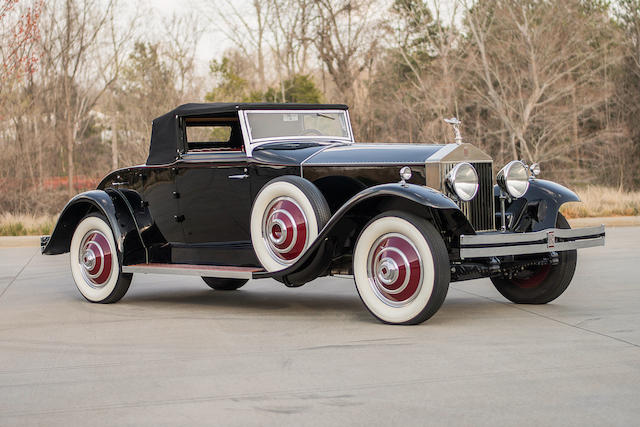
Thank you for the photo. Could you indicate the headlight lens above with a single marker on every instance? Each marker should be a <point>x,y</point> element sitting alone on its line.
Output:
<point>514,179</point>
<point>463,181</point>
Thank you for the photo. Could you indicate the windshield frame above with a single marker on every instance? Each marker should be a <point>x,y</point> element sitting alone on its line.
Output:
<point>251,144</point>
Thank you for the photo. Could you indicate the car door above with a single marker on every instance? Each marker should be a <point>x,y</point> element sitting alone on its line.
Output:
<point>213,186</point>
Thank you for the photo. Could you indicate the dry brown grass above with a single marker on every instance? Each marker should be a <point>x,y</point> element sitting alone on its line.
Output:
<point>603,201</point>
<point>25,225</point>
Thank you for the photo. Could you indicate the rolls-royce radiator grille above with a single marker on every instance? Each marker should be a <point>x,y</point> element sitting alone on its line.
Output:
<point>480,210</point>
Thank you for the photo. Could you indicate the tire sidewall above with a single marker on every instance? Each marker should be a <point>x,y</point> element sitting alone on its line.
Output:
<point>372,231</point>
<point>269,193</point>
<point>94,294</point>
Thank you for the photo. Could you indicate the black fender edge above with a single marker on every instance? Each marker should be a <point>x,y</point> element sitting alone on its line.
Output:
<point>115,208</point>
<point>538,208</point>
<point>310,265</point>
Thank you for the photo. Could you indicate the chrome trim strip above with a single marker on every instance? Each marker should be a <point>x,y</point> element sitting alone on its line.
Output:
<point>530,242</point>
<point>311,156</point>
<point>244,125</point>
<point>225,273</point>
<point>370,163</point>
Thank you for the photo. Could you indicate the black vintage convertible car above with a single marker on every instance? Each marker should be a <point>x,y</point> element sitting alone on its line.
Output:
<point>232,192</point>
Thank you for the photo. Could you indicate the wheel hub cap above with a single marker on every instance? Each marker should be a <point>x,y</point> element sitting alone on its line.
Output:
<point>89,260</point>
<point>95,258</point>
<point>394,268</point>
<point>285,230</point>
<point>388,271</point>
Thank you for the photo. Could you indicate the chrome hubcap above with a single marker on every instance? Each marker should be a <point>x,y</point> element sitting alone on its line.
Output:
<point>88,259</point>
<point>95,258</point>
<point>285,230</point>
<point>395,269</point>
<point>278,231</point>
<point>387,271</point>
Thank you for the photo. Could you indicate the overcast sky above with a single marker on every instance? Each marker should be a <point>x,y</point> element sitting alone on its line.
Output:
<point>213,43</point>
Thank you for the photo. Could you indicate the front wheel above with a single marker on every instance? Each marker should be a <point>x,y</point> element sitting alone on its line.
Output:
<point>95,264</point>
<point>541,284</point>
<point>401,268</point>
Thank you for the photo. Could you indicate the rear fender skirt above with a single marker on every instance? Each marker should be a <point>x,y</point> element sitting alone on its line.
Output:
<point>115,208</point>
<point>538,208</point>
<point>316,258</point>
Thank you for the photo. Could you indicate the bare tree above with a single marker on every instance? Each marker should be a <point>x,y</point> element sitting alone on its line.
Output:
<point>347,39</point>
<point>290,36</point>
<point>428,43</point>
<point>19,32</point>
<point>247,31</point>
<point>83,51</point>
<point>183,36</point>
<point>529,58</point>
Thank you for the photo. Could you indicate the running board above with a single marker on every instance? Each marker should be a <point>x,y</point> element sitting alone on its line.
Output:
<point>226,272</point>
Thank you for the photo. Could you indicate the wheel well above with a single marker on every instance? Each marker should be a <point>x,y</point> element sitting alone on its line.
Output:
<point>450,223</point>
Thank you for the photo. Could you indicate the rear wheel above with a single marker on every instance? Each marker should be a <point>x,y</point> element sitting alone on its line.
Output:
<point>541,284</point>
<point>401,268</point>
<point>95,262</point>
<point>220,284</point>
<point>286,217</point>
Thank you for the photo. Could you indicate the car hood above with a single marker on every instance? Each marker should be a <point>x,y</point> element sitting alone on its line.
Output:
<point>347,154</point>
<point>375,154</point>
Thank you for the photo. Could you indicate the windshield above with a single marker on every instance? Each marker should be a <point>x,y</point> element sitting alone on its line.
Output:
<point>298,124</point>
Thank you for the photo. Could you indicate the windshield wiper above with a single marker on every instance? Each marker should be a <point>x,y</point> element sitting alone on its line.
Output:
<point>325,116</point>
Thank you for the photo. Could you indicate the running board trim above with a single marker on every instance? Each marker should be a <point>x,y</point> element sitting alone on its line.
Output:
<point>224,272</point>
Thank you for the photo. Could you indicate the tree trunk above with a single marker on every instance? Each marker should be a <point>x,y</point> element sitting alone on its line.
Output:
<point>71,168</point>
<point>114,143</point>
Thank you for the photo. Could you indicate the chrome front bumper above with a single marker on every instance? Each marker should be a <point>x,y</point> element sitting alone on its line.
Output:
<point>492,244</point>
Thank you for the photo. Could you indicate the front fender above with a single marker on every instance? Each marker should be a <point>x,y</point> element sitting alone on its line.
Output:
<point>110,204</point>
<point>538,208</point>
<point>361,208</point>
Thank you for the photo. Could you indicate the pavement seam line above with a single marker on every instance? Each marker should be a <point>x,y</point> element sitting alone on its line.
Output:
<point>18,275</point>
<point>517,307</point>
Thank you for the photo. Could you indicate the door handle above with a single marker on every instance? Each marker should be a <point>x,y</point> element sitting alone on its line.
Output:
<point>243,176</point>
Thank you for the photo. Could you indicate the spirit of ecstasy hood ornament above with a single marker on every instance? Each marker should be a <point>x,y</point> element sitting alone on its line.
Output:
<point>453,121</point>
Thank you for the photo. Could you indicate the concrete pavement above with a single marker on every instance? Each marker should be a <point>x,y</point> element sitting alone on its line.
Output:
<point>174,352</point>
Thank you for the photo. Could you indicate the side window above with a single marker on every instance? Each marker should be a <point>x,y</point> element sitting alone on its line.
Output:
<point>218,135</point>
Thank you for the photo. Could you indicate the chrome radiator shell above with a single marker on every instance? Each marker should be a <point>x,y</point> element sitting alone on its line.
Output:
<point>481,210</point>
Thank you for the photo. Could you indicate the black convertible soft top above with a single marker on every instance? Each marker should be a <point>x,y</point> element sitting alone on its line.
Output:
<point>165,130</point>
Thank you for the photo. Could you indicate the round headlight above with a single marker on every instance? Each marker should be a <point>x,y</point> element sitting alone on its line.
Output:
<point>514,179</point>
<point>463,181</point>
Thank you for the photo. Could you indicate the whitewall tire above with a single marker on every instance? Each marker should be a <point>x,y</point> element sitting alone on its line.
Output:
<point>401,268</point>
<point>95,264</point>
<point>287,215</point>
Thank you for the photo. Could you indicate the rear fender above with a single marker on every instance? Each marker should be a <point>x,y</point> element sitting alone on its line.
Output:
<point>340,233</point>
<point>115,208</point>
